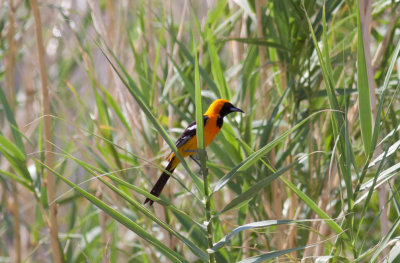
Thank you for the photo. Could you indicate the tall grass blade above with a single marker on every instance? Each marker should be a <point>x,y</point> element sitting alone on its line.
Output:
<point>145,108</point>
<point>363,87</point>
<point>11,120</point>
<point>245,197</point>
<point>274,254</point>
<point>254,225</point>
<point>170,254</point>
<point>254,157</point>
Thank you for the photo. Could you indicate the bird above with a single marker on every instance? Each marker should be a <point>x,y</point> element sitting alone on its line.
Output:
<point>213,119</point>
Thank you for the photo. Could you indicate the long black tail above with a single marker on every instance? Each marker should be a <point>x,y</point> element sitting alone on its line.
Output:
<point>156,191</point>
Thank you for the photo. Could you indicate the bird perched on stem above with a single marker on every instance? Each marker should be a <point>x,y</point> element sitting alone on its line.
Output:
<point>186,144</point>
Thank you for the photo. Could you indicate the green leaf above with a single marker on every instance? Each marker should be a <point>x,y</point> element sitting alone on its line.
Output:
<point>254,225</point>
<point>258,41</point>
<point>377,126</point>
<point>20,180</point>
<point>13,124</point>
<point>145,108</point>
<point>394,255</point>
<point>196,250</point>
<point>114,105</point>
<point>254,157</point>
<point>338,122</point>
<point>15,157</point>
<point>216,68</point>
<point>313,206</point>
<point>385,240</point>
<point>364,104</point>
<point>205,76</point>
<point>245,197</point>
<point>8,147</point>
<point>274,254</point>
<point>172,255</point>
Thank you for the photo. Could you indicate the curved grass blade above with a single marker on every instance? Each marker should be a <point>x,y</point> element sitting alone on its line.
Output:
<point>274,254</point>
<point>215,63</point>
<point>191,59</point>
<point>20,180</point>
<point>394,255</point>
<point>338,121</point>
<point>377,126</point>
<point>313,206</point>
<point>172,255</point>
<point>257,41</point>
<point>254,225</point>
<point>13,124</point>
<point>254,157</point>
<point>187,83</point>
<point>92,169</point>
<point>385,240</point>
<point>196,250</point>
<point>382,177</point>
<point>145,108</point>
<point>15,157</point>
<point>328,259</point>
<point>114,105</point>
<point>245,197</point>
<point>8,147</point>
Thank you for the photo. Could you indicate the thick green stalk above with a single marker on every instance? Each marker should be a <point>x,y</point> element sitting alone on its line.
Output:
<point>207,201</point>
<point>202,156</point>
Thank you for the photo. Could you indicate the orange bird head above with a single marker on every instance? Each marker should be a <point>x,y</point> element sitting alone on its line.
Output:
<point>222,108</point>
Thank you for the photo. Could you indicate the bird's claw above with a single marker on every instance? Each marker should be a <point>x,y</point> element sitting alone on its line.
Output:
<point>201,172</point>
<point>199,164</point>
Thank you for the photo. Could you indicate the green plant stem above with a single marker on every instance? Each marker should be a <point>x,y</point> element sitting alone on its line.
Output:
<point>204,171</point>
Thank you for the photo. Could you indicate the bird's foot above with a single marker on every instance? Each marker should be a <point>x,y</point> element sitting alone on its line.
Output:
<point>199,164</point>
<point>195,160</point>
<point>201,172</point>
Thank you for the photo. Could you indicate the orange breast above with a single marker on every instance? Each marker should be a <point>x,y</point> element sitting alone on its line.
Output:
<point>210,132</point>
<point>211,129</point>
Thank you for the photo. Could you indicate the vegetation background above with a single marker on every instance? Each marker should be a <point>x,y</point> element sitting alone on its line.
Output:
<point>94,94</point>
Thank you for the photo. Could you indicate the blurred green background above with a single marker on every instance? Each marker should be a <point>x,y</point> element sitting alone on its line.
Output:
<point>95,93</point>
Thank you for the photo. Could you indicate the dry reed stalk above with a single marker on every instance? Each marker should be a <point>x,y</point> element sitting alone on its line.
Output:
<point>294,209</point>
<point>103,225</point>
<point>365,9</point>
<point>376,63</point>
<point>10,59</point>
<point>10,64</point>
<point>331,182</point>
<point>170,64</point>
<point>312,235</point>
<point>234,46</point>
<point>312,238</point>
<point>261,51</point>
<point>49,156</point>
<point>380,51</point>
<point>276,191</point>
<point>150,33</point>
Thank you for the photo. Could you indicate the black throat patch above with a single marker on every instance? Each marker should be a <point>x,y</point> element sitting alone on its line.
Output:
<point>220,121</point>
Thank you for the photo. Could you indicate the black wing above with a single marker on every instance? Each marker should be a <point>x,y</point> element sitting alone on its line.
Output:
<point>189,132</point>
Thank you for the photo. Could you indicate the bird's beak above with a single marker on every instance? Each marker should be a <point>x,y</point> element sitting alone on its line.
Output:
<point>234,109</point>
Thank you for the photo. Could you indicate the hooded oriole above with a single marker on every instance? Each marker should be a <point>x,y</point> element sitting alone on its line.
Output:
<point>187,142</point>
